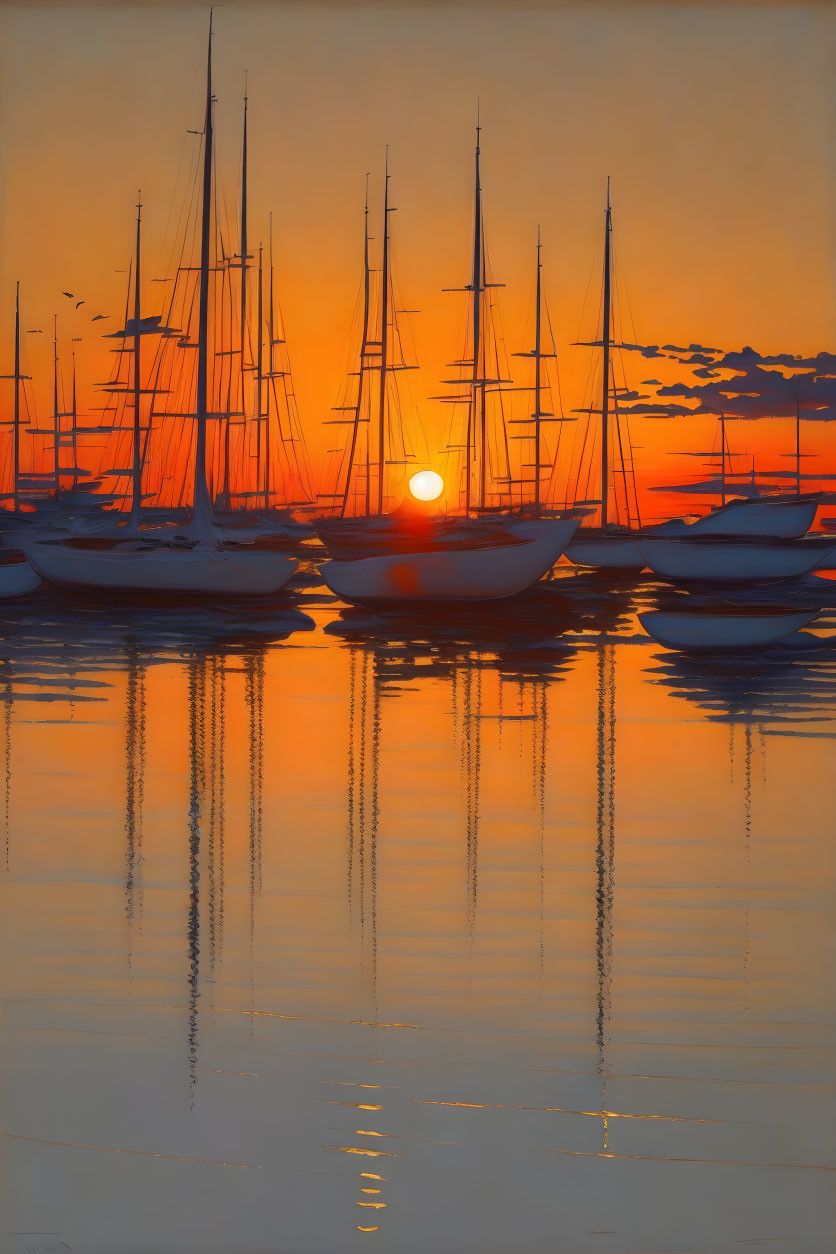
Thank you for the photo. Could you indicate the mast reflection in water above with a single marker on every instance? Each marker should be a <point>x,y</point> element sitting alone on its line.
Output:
<point>309,927</point>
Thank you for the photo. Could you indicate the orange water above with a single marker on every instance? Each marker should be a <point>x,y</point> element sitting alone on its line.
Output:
<point>501,934</point>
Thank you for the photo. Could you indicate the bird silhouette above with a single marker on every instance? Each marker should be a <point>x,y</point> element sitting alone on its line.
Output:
<point>98,316</point>
<point>71,295</point>
<point>37,332</point>
<point>80,302</point>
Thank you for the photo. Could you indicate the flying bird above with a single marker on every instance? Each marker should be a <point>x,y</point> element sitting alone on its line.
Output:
<point>70,294</point>
<point>36,332</point>
<point>98,316</point>
<point>80,302</point>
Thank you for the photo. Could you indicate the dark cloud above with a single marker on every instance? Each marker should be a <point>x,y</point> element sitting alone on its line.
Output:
<point>657,410</point>
<point>711,487</point>
<point>755,393</point>
<point>740,384</point>
<point>646,350</point>
<point>747,357</point>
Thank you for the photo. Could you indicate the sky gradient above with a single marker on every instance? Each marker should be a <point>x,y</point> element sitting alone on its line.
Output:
<point>715,122</point>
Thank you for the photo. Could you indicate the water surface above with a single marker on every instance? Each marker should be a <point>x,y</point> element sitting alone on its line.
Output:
<point>500,931</point>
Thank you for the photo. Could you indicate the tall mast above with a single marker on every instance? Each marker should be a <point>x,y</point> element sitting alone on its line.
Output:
<point>537,381</point>
<point>477,278</point>
<point>244,236</point>
<point>798,435</point>
<point>74,415</point>
<point>259,371</point>
<point>384,340</point>
<point>56,415</point>
<point>605,388</point>
<point>201,516</point>
<point>243,312</point>
<point>17,400</point>
<point>272,385</point>
<point>136,498</point>
<point>363,352</point>
<point>722,459</point>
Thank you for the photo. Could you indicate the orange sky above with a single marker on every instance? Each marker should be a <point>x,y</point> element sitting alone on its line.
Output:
<point>714,121</point>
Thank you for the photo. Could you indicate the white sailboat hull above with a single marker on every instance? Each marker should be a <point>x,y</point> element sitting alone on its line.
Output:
<point>777,520</point>
<point>207,571</point>
<point>730,561</point>
<point>699,630</point>
<point>488,574</point>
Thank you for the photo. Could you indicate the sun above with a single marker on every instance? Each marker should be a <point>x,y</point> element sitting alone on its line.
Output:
<point>426,485</point>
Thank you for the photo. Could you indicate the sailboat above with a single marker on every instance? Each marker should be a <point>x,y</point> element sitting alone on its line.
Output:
<point>362,521</point>
<point>265,421</point>
<point>492,497</point>
<point>480,571</point>
<point>394,559</point>
<point>779,517</point>
<point>17,577</point>
<point>782,516</point>
<point>371,514</point>
<point>623,546</point>
<point>53,502</point>
<point>745,541</point>
<point>485,499</point>
<point>200,563</point>
<point>611,545</point>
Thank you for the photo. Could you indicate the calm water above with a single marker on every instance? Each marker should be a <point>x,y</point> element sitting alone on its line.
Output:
<point>503,932</point>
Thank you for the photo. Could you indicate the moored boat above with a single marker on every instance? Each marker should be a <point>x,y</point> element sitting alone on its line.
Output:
<point>136,566</point>
<point>606,550</point>
<point>617,548</point>
<point>17,577</point>
<point>202,563</point>
<point>776,517</point>
<point>720,559</point>
<point>455,574</point>
<point>727,627</point>
<point>612,545</point>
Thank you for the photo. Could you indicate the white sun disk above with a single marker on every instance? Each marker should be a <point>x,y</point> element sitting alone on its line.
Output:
<point>426,485</point>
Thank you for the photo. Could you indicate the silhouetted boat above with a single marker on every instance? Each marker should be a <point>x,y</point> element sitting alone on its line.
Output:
<point>728,627</point>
